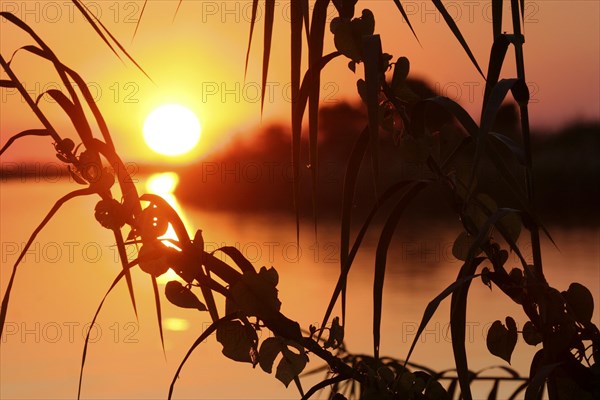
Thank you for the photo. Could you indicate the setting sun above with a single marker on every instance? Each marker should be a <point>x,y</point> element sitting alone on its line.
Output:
<point>171,130</point>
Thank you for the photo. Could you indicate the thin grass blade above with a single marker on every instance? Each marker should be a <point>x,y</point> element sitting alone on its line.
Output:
<point>299,386</point>
<point>88,16</point>
<point>536,385</point>
<point>158,312</point>
<point>177,10</point>
<point>497,55</point>
<point>405,16</point>
<point>137,24</point>
<point>372,60</point>
<point>87,336</point>
<point>518,391</point>
<point>63,72</point>
<point>315,53</point>
<point>252,22</point>
<point>458,306</point>
<point>383,199</point>
<point>96,25</point>
<point>497,96</point>
<point>435,303</point>
<point>47,218</point>
<point>323,384</point>
<point>512,146</point>
<point>120,243</point>
<point>350,178</point>
<point>296,56</point>
<point>268,35</point>
<point>28,132</point>
<point>236,255</point>
<point>209,331</point>
<point>381,258</point>
<point>457,34</point>
<point>496,18</point>
<point>74,113</point>
<point>522,4</point>
<point>452,107</point>
<point>89,99</point>
<point>306,18</point>
<point>209,299</point>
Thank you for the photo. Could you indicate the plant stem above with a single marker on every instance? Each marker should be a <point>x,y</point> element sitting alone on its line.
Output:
<point>535,234</point>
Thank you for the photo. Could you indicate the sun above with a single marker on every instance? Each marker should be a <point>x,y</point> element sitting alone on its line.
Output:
<point>172,130</point>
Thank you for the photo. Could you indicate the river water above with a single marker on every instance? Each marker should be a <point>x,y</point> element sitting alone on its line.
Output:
<point>73,263</point>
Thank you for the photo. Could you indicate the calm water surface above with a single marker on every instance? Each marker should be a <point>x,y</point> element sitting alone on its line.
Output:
<point>72,264</point>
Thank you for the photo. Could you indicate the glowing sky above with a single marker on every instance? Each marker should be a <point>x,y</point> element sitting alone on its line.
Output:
<point>197,60</point>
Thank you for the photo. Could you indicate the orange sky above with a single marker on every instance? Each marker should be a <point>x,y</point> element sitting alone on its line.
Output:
<point>198,61</point>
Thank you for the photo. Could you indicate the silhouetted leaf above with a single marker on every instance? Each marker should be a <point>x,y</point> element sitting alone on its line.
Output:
<point>336,335</point>
<point>153,258</point>
<point>237,344</point>
<point>166,213</point>
<point>292,362</point>
<point>182,296</point>
<point>580,301</point>
<point>530,334</point>
<point>256,294</point>
<point>349,34</point>
<point>401,70</point>
<point>501,340</point>
<point>269,349</point>
<point>462,245</point>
